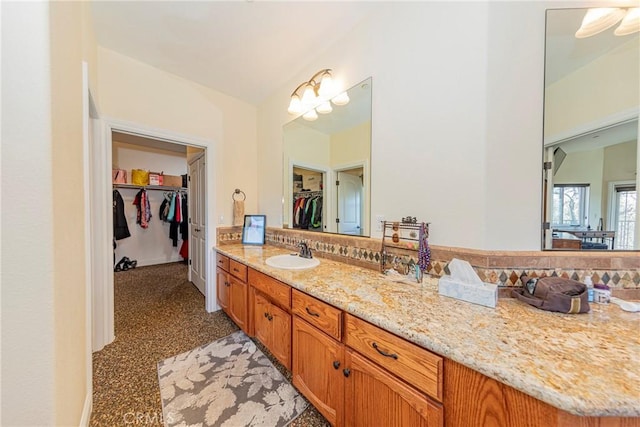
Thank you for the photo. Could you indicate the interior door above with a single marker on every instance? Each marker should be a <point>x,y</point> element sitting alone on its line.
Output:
<point>197,226</point>
<point>349,190</point>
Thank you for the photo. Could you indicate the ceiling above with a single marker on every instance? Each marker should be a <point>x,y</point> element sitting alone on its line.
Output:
<point>245,49</point>
<point>565,53</point>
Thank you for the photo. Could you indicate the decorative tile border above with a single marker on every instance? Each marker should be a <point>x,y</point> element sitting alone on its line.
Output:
<point>620,270</point>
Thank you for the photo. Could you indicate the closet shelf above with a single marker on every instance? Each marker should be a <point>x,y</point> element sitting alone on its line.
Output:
<point>149,187</point>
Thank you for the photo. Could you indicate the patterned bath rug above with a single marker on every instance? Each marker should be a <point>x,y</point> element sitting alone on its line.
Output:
<point>229,383</point>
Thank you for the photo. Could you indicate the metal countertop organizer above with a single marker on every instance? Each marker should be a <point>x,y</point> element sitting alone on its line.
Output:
<point>400,246</point>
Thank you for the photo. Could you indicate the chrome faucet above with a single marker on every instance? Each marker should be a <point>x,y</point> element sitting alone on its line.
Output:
<point>305,251</point>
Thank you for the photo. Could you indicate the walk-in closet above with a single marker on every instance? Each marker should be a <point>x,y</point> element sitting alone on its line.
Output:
<point>150,201</point>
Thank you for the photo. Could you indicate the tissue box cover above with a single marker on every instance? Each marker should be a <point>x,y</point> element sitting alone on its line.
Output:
<point>485,294</point>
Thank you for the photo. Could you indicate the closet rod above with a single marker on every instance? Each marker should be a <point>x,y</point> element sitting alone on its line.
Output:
<point>150,187</point>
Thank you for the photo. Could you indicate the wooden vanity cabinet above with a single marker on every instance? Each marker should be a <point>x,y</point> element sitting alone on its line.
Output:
<point>475,400</point>
<point>238,302</point>
<point>222,289</point>
<point>318,362</point>
<point>231,289</point>
<point>270,301</point>
<point>375,397</point>
<point>351,389</point>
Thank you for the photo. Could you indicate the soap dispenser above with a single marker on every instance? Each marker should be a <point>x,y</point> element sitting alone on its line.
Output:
<point>590,289</point>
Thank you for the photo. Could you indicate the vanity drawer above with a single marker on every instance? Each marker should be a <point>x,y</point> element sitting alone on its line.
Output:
<point>277,292</point>
<point>320,314</point>
<point>222,261</point>
<point>238,269</point>
<point>412,363</point>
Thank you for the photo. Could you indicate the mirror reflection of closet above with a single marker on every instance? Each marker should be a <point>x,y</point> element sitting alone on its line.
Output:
<point>590,137</point>
<point>337,146</point>
<point>308,204</point>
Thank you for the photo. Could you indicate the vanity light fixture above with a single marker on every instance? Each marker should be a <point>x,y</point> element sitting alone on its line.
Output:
<point>599,19</point>
<point>316,95</point>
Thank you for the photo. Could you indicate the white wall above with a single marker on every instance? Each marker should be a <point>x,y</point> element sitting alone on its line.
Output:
<point>28,362</point>
<point>135,92</point>
<point>150,245</point>
<point>457,117</point>
<point>570,105</point>
<point>428,115</point>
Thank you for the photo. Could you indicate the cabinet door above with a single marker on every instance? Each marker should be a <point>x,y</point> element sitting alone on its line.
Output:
<point>238,302</point>
<point>318,370</point>
<point>261,324</point>
<point>222,289</point>
<point>280,335</point>
<point>376,397</point>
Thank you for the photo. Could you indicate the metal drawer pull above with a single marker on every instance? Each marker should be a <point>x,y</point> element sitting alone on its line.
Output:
<point>311,312</point>
<point>270,318</point>
<point>384,353</point>
<point>266,314</point>
<point>336,364</point>
<point>346,372</point>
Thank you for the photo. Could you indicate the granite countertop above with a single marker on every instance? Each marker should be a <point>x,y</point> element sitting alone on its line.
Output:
<point>585,364</point>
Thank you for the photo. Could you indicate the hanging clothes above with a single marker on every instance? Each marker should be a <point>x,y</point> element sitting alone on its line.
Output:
<point>307,211</point>
<point>172,207</point>
<point>143,214</point>
<point>120,226</point>
<point>184,225</point>
<point>316,215</point>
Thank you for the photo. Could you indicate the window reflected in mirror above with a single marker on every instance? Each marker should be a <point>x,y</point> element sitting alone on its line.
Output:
<point>591,100</point>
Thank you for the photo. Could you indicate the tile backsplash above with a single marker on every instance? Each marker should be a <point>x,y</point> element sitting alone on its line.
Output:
<point>619,270</point>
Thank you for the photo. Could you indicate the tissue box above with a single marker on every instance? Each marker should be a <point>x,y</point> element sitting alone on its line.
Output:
<point>484,294</point>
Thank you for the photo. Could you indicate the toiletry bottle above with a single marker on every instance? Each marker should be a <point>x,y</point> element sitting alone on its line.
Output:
<point>589,283</point>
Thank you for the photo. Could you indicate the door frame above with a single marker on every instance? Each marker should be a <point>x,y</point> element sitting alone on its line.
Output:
<point>288,191</point>
<point>366,193</point>
<point>104,320</point>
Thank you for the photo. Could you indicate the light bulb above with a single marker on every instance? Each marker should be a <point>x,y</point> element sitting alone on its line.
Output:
<point>324,108</point>
<point>630,23</point>
<point>599,19</point>
<point>295,106</point>
<point>326,86</point>
<point>308,97</point>
<point>310,115</point>
<point>341,99</point>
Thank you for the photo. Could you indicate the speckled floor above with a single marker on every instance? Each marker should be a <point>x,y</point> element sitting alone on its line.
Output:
<point>158,314</point>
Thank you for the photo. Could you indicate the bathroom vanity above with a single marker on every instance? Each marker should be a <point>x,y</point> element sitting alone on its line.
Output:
<point>366,350</point>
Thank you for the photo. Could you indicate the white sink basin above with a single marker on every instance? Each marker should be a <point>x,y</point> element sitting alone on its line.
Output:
<point>292,262</point>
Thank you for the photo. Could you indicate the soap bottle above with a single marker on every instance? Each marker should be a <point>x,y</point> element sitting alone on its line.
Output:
<point>589,283</point>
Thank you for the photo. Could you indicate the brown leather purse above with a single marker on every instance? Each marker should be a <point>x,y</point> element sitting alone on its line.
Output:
<point>553,294</point>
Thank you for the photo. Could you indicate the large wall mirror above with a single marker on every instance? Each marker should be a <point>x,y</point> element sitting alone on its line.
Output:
<point>591,157</point>
<point>327,176</point>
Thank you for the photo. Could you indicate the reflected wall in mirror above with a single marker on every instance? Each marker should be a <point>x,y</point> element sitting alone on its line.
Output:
<point>327,176</point>
<point>591,157</point>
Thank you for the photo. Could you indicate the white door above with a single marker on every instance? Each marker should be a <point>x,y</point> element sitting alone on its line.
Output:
<point>197,227</point>
<point>349,190</point>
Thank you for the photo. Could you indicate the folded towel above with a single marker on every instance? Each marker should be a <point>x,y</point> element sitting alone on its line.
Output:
<point>238,212</point>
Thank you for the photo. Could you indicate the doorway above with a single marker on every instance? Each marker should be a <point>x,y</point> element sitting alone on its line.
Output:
<point>350,192</point>
<point>102,199</point>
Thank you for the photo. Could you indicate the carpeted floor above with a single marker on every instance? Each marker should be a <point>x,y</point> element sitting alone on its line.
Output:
<point>158,314</point>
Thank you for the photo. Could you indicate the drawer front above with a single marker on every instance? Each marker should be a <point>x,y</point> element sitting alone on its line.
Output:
<point>277,292</point>
<point>238,269</point>
<point>320,314</point>
<point>222,261</point>
<point>412,363</point>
